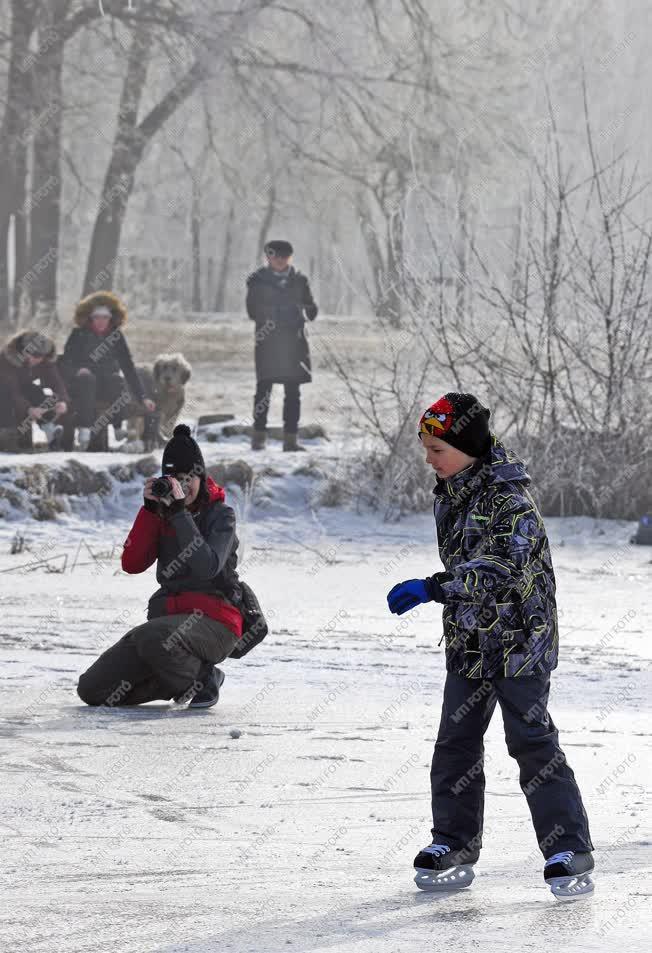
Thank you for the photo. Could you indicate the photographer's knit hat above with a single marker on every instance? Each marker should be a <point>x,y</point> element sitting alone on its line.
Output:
<point>182,454</point>
<point>461,421</point>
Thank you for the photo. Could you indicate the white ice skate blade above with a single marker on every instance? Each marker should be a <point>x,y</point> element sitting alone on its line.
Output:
<point>569,888</point>
<point>454,878</point>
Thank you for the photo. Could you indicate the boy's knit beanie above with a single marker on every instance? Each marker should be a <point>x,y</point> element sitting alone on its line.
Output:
<point>461,421</point>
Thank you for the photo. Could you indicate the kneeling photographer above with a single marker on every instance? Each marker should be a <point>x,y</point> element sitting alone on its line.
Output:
<point>194,619</point>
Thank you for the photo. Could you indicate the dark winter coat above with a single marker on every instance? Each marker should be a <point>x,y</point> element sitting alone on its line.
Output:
<point>277,306</point>
<point>196,554</point>
<point>104,355</point>
<point>500,615</point>
<point>17,378</point>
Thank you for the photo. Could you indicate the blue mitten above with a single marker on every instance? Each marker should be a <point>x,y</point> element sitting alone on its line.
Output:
<point>406,595</point>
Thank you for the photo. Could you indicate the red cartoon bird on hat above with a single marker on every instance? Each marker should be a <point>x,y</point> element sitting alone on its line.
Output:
<point>438,418</point>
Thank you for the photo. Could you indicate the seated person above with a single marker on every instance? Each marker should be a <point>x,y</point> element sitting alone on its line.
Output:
<point>26,357</point>
<point>94,356</point>
<point>193,619</point>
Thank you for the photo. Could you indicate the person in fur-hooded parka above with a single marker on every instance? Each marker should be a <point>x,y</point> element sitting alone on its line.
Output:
<point>95,358</point>
<point>26,357</point>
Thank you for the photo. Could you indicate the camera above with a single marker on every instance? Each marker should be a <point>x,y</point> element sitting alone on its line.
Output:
<point>161,487</point>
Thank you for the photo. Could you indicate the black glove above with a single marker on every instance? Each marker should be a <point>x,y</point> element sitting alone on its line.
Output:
<point>433,586</point>
<point>311,311</point>
<point>176,506</point>
<point>151,505</point>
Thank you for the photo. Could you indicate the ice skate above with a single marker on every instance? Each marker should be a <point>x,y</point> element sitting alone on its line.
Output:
<point>568,874</point>
<point>440,868</point>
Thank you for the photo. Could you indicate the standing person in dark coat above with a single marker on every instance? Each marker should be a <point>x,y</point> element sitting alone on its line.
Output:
<point>278,296</point>
<point>27,357</point>
<point>94,356</point>
<point>500,626</point>
<point>194,619</point>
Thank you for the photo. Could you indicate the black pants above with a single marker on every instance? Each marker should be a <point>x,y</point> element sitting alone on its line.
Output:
<point>291,406</point>
<point>37,398</point>
<point>457,774</point>
<point>160,659</point>
<point>87,388</point>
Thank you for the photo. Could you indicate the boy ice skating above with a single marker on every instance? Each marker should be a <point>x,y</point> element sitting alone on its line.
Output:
<point>194,620</point>
<point>500,626</point>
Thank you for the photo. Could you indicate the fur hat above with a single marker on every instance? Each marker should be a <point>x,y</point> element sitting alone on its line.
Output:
<point>459,420</point>
<point>101,299</point>
<point>29,343</point>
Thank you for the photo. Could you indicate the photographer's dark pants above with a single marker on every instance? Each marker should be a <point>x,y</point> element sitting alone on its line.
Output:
<point>161,659</point>
<point>291,406</point>
<point>88,389</point>
<point>457,775</point>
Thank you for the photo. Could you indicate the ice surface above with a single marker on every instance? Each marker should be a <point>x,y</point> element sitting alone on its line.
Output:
<point>153,829</point>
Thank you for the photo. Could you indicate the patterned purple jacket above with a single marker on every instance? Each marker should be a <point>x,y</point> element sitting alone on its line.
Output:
<point>500,615</point>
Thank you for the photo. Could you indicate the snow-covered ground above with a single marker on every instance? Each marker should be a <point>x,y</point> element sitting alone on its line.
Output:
<point>154,830</point>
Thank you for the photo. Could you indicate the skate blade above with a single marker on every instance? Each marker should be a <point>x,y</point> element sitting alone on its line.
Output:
<point>569,888</point>
<point>454,878</point>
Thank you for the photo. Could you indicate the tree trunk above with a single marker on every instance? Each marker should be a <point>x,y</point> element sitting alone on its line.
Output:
<point>119,179</point>
<point>45,204</point>
<point>263,235</point>
<point>220,294</point>
<point>14,138</point>
<point>128,150</point>
<point>195,240</point>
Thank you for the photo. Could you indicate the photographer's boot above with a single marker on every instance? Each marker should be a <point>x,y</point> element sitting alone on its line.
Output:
<point>84,437</point>
<point>212,679</point>
<point>258,439</point>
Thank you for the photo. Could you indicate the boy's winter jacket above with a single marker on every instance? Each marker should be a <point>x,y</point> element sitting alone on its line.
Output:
<point>500,615</point>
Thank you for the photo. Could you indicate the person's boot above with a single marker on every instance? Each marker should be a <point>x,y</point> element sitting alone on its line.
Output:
<point>440,868</point>
<point>258,439</point>
<point>290,443</point>
<point>211,679</point>
<point>568,874</point>
<point>84,437</point>
<point>53,433</point>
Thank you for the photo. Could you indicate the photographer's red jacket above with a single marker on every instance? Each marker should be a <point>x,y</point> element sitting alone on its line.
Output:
<point>196,554</point>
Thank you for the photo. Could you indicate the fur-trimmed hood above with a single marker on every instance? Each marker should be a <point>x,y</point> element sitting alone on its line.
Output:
<point>26,343</point>
<point>104,299</point>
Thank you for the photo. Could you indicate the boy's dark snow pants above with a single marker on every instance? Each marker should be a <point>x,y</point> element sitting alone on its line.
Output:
<point>457,775</point>
<point>160,659</point>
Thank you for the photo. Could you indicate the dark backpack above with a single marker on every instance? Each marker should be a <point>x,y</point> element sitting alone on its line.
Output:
<point>254,624</point>
<point>643,532</point>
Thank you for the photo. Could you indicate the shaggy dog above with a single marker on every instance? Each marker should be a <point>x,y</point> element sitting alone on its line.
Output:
<point>164,382</point>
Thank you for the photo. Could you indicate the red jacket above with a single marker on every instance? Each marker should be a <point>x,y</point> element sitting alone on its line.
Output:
<point>142,548</point>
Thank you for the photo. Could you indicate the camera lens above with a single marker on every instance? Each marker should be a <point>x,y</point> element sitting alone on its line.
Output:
<point>160,487</point>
